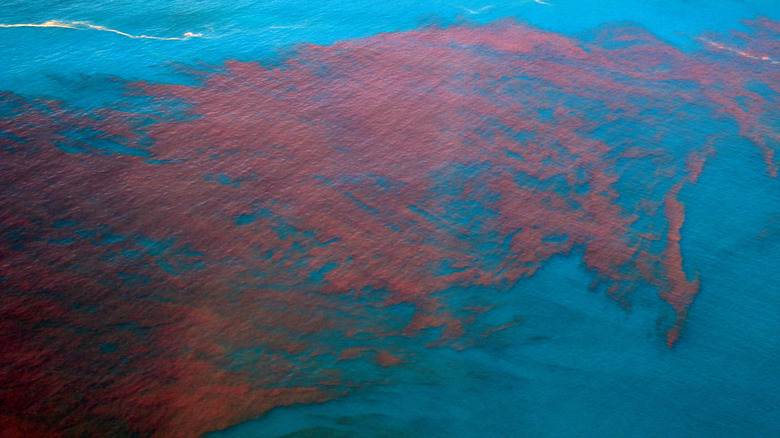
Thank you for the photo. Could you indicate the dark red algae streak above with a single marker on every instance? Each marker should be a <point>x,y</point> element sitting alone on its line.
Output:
<point>260,243</point>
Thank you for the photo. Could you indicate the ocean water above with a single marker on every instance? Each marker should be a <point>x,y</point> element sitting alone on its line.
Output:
<point>249,30</point>
<point>299,221</point>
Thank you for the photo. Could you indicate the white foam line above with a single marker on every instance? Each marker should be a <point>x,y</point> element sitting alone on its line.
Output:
<point>720,46</point>
<point>85,25</point>
<point>478,11</point>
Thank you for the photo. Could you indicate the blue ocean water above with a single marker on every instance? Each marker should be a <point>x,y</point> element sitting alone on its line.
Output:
<point>52,60</point>
<point>576,364</point>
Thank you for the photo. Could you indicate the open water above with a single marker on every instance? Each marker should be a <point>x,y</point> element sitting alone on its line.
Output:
<point>537,350</point>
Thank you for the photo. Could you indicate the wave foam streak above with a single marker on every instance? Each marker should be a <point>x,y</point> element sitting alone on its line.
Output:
<point>85,25</point>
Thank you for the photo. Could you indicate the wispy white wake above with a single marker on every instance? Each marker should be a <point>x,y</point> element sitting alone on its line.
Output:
<point>739,52</point>
<point>85,25</point>
<point>478,11</point>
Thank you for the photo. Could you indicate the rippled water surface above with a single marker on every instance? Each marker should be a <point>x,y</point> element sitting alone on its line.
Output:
<point>547,218</point>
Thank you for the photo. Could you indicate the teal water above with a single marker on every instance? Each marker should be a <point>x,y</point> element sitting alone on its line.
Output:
<point>576,364</point>
<point>53,61</point>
